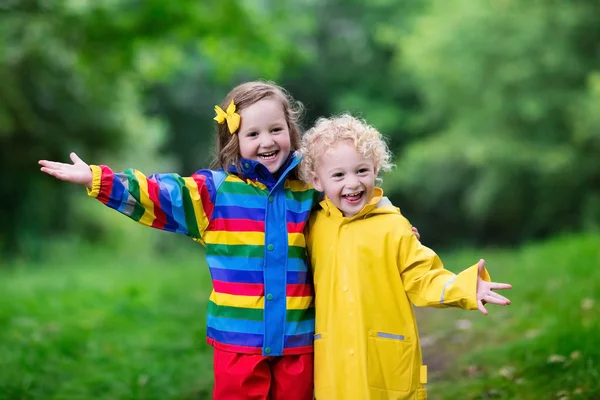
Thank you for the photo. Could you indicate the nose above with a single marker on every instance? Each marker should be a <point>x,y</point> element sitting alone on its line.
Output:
<point>352,181</point>
<point>266,140</point>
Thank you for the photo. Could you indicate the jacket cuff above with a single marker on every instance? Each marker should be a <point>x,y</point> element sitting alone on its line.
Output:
<point>465,287</point>
<point>96,180</point>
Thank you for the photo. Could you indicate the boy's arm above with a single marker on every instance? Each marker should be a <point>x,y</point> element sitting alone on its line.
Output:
<point>426,281</point>
<point>163,201</point>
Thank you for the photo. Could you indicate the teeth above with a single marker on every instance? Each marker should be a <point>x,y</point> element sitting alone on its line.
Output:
<point>268,155</point>
<point>352,194</point>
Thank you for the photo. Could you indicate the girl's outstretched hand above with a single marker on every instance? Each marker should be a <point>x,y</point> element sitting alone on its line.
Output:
<point>416,233</point>
<point>78,172</point>
<point>485,291</point>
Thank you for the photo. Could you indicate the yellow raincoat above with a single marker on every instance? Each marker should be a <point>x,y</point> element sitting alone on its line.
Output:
<point>368,269</point>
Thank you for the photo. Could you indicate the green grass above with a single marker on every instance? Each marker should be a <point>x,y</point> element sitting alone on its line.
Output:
<point>95,326</point>
<point>86,324</point>
<point>545,345</point>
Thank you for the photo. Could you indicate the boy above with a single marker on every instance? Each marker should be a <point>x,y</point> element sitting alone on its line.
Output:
<point>368,269</point>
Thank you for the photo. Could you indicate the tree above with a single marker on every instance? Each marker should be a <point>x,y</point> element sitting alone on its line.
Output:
<point>513,83</point>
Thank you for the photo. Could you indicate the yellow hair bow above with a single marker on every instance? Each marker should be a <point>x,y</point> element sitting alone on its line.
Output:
<point>233,119</point>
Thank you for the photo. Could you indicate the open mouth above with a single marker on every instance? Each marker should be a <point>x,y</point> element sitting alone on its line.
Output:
<point>268,156</point>
<point>354,197</point>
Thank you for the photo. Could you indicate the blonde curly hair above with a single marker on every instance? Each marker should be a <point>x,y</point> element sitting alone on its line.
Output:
<point>327,132</point>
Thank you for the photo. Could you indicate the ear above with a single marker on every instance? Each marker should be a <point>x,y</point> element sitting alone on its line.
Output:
<point>316,182</point>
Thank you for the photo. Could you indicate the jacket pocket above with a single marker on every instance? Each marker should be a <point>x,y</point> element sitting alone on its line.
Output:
<point>389,361</point>
<point>321,376</point>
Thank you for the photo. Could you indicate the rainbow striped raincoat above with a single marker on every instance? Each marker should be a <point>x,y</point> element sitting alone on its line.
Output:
<point>252,228</point>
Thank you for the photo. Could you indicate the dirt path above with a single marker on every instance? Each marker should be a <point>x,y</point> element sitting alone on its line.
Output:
<point>441,343</point>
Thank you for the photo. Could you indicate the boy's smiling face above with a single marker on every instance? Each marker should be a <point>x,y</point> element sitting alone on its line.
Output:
<point>346,177</point>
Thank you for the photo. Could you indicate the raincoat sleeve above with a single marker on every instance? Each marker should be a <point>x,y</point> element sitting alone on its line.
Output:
<point>427,283</point>
<point>167,202</point>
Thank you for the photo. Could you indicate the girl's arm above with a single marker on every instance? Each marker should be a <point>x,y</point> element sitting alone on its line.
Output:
<point>167,201</point>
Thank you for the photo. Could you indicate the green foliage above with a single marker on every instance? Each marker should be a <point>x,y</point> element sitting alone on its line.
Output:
<point>511,86</point>
<point>353,66</point>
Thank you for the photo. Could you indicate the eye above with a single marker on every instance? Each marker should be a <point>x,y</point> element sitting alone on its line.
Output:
<point>278,129</point>
<point>337,175</point>
<point>252,134</point>
<point>363,171</point>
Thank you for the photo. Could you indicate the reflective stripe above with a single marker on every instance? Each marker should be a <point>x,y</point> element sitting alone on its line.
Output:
<point>389,336</point>
<point>451,281</point>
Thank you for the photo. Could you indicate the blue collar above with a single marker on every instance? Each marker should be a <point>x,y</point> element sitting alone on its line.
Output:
<point>254,170</point>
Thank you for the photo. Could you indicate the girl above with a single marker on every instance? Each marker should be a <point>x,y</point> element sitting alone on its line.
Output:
<point>250,215</point>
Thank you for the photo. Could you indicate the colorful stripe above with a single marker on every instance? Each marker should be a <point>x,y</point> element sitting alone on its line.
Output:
<point>249,238</point>
<point>258,289</point>
<point>250,276</point>
<point>297,217</point>
<point>166,206</point>
<point>246,200</point>
<point>229,325</point>
<point>235,338</point>
<point>301,340</point>
<point>239,212</point>
<point>237,225</point>
<point>251,264</point>
<point>257,314</point>
<point>240,289</point>
<point>231,300</point>
<point>254,314</point>
<point>160,219</point>
<point>224,238</point>
<point>295,227</point>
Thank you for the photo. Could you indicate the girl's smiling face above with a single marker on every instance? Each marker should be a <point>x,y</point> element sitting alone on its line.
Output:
<point>264,134</point>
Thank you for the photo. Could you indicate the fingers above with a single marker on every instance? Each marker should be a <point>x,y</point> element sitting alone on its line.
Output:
<point>75,158</point>
<point>55,173</point>
<point>481,308</point>
<point>499,297</point>
<point>495,298</point>
<point>55,164</point>
<point>499,286</point>
<point>50,170</point>
<point>480,265</point>
<point>51,164</point>
<point>416,232</point>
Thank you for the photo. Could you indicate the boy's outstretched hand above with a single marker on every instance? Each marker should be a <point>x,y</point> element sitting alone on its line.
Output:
<point>485,291</point>
<point>78,172</point>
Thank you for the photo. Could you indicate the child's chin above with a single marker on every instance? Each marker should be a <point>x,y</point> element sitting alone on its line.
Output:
<point>350,210</point>
<point>273,168</point>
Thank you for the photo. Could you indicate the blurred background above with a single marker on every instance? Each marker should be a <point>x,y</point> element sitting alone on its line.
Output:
<point>491,110</point>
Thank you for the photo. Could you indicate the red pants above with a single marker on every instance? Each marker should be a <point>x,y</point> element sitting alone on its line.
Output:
<point>255,377</point>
